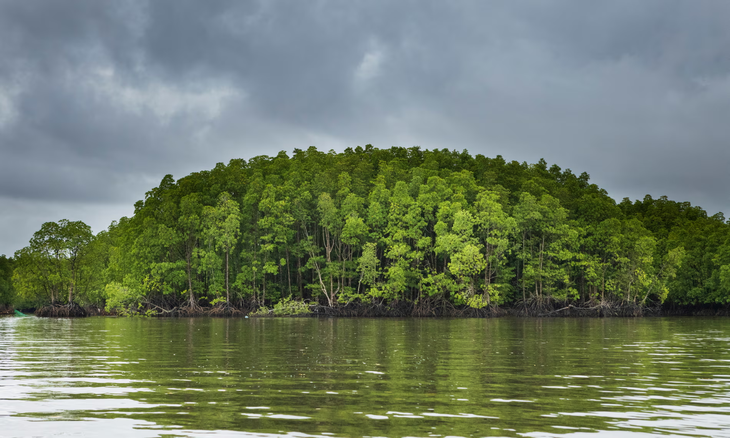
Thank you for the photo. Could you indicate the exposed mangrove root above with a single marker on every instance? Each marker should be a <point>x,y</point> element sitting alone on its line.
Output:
<point>545,307</point>
<point>191,310</point>
<point>395,309</point>
<point>485,312</point>
<point>537,306</point>
<point>72,310</point>
<point>246,307</point>
<point>430,307</point>
<point>425,308</point>
<point>404,309</point>
<point>224,309</point>
<point>155,310</point>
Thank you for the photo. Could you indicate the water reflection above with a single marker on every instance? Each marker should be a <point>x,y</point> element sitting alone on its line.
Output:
<point>364,377</point>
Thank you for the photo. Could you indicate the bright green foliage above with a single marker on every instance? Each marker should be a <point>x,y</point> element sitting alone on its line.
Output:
<point>221,228</point>
<point>403,231</point>
<point>123,298</point>
<point>380,226</point>
<point>369,268</point>
<point>288,307</point>
<point>275,225</point>
<point>56,266</point>
<point>546,249</point>
<point>494,231</point>
<point>324,266</point>
<point>190,227</point>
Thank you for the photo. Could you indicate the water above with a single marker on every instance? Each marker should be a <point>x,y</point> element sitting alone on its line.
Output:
<point>364,377</point>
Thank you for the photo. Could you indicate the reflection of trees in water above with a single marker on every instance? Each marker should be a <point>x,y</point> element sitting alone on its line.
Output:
<point>8,349</point>
<point>524,374</point>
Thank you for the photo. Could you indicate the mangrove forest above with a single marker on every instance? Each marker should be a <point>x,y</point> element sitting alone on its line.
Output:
<point>399,231</point>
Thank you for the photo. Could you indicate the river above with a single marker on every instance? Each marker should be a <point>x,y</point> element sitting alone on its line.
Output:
<point>154,377</point>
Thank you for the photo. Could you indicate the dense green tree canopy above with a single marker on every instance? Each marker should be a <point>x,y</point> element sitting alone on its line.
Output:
<point>382,226</point>
<point>7,291</point>
<point>57,265</point>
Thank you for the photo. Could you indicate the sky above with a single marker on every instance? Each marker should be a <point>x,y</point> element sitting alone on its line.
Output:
<point>100,99</point>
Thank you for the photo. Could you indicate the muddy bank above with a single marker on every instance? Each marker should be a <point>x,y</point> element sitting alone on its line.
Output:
<point>62,311</point>
<point>398,309</point>
<point>404,309</point>
<point>67,311</point>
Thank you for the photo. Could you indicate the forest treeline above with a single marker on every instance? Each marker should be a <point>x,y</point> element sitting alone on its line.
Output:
<point>378,227</point>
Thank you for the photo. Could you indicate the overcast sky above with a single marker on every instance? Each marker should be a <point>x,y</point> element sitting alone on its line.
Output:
<point>100,99</point>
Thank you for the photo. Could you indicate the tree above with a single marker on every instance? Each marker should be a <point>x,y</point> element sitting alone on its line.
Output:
<point>7,291</point>
<point>189,225</point>
<point>325,267</point>
<point>55,262</point>
<point>275,224</point>
<point>401,239</point>
<point>547,247</point>
<point>494,230</point>
<point>222,228</point>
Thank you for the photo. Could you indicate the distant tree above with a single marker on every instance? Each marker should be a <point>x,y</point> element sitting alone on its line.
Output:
<point>7,291</point>
<point>55,263</point>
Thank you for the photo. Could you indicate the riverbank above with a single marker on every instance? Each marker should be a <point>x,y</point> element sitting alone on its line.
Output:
<point>398,309</point>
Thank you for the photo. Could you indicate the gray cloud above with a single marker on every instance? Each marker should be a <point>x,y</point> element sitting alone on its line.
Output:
<point>98,100</point>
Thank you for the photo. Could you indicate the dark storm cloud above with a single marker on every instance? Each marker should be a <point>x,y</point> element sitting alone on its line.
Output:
<point>98,100</point>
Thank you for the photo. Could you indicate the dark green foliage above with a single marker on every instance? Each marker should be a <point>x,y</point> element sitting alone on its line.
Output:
<point>60,265</point>
<point>7,292</point>
<point>398,225</point>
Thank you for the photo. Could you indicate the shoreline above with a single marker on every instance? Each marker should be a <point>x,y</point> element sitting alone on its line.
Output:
<point>393,310</point>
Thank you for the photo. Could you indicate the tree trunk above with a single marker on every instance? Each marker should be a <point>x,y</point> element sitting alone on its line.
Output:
<point>255,294</point>
<point>524,297</point>
<point>288,268</point>
<point>299,277</point>
<point>71,286</point>
<point>542,251</point>
<point>191,296</point>
<point>228,294</point>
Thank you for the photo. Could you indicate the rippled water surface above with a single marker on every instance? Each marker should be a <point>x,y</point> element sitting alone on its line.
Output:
<point>364,377</point>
